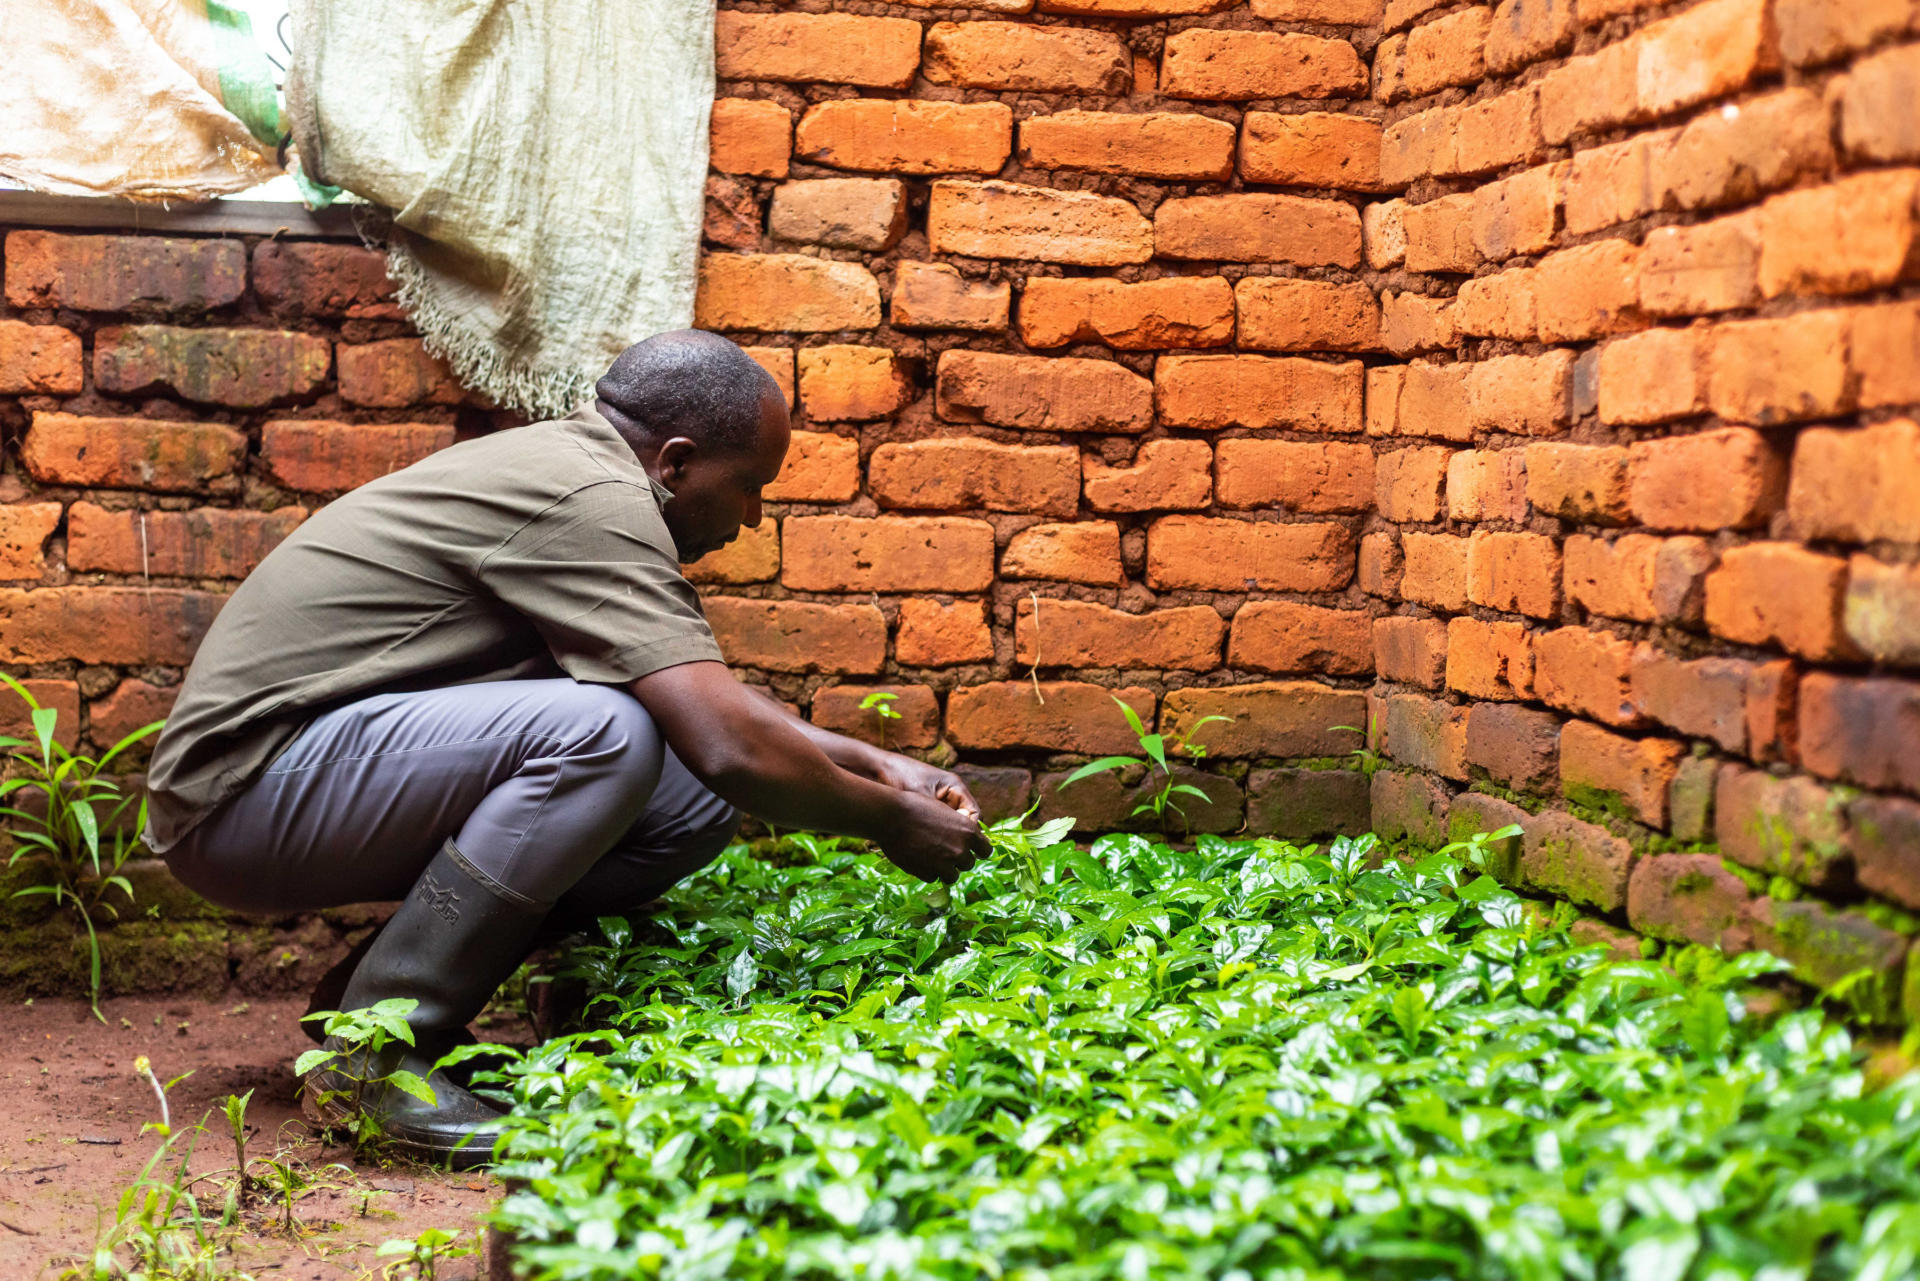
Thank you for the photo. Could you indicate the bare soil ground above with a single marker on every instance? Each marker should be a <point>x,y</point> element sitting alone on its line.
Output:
<point>70,1142</point>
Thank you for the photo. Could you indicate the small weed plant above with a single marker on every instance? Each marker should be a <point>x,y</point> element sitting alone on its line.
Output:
<point>360,1035</point>
<point>75,827</point>
<point>881,704</point>
<point>1241,1060</point>
<point>1155,749</point>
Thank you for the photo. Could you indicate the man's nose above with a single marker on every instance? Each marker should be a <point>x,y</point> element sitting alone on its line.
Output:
<point>752,520</point>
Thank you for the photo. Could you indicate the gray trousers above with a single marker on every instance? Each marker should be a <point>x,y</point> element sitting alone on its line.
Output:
<point>562,793</point>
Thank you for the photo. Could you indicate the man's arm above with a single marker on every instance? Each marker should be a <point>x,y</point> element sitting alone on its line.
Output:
<point>881,766</point>
<point>754,756</point>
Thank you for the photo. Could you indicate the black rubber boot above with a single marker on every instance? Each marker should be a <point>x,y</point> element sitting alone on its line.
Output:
<point>332,987</point>
<point>448,945</point>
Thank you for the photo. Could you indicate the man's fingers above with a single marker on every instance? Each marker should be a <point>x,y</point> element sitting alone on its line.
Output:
<point>955,794</point>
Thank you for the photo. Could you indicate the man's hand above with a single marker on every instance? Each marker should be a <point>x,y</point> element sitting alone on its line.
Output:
<point>910,775</point>
<point>934,841</point>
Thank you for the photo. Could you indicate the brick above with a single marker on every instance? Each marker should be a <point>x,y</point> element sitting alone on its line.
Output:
<point>1586,484</point>
<point>1639,577</point>
<point>753,557</point>
<point>1410,806</point>
<point>135,626</point>
<point>931,295</point>
<point>819,468</point>
<point>1283,636</point>
<point>1515,572</point>
<point>395,373</point>
<point>1590,93</point>
<point>1271,718</point>
<point>1424,145</point>
<point>1773,710</point>
<point>1710,267</point>
<point>1412,651</point>
<point>1311,149</point>
<point>1499,306</point>
<point>1780,593</point>
<point>1489,659</point>
<point>1813,31</point>
<point>1410,323</point>
<point>1447,52</point>
<point>935,635</point>
<point>1883,339</point>
<point>1775,371</point>
<point>916,720</point>
<point>1518,215</point>
<point>1211,392</point>
<point>1427,734</point>
<point>1515,745</point>
<point>1731,478</point>
<point>1882,612</point>
<point>1473,813</point>
<point>309,278</point>
<point>1178,311</point>
<point>1165,145</point>
<point>1500,132</point>
<point>1825,944</point>
<point>1886,832</point>
<point>750,136</point>
<point>1788,826</point>
<point>1238,65</point>
<point>1381,565</point>
<point>1008,220</point>
<point>1055,716</point>
<point>955,474</point>
<point>1705,52</point>
<point>1440,235</point>
<point>1390,69</point>
<point>890,554</point>
<point>1381,399</point>
<point>123,273</point>
<point>1577,861</point>
<point>1130,8</point>
<point>851,384</point>
<point>904,136</point>
<point>39,360</point>
<point>1487,484</point>
<point>1436,571</point>
<point>778,362</point>
<point>1307,804</point>
<point>1856,485</point>
<point>1599,769</point>
<point>1385,233</point>
<point>1615,184</point>
<point>732,216</point>
<point>1303,476</point>
<point>1015,55</point>
<point>785,292</point>
<point>1588,673</point>
<point>1166,475</point>
<point>1404,13</point>
<point>324,457</point>
<point>131,706</point>
<point>24,530</point>
<point>1861,731</point>
<point>1436,400</point>
<point>1524,31</point>
<point>16,718</point>
<point>1690,898</point>
<point>1353,13</point>
<point>1853,235</point>
<point>207,543</point>
<point>1653,377</point>
<point>1702,698</point>
<point>1875,121</point>
<point>1730,158</point>
<point>1410,484</point>
<point>1208,553</point>
<point>132,453</point>
<point>841,213</point>
<point>1070,633</point>
<point>1040,393</point>
<point>832,48</point>
<point>1277,314</point>
<point>246,368</point>
<point>1588,292</point>
<point>1250,227</point>
<point>797,636</point>
<point>1072,552</point>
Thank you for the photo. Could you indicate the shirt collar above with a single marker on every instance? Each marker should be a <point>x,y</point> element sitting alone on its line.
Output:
<point>585,413</point>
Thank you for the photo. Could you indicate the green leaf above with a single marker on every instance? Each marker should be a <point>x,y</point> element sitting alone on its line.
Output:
<point>1133,717</point>
<point>1104,765</point>
<point>409,1083</point>
<point>312,1059</point>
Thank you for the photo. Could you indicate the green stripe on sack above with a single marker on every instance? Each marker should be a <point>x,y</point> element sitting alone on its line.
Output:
<point>246,77</point>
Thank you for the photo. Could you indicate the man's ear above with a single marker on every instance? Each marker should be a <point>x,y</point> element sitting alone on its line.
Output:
<point>673,458</point>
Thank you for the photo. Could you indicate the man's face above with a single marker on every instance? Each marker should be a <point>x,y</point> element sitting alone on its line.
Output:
<point>716,493</point>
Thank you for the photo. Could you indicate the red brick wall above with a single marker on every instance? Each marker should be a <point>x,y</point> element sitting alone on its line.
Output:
<point>1524,381</point>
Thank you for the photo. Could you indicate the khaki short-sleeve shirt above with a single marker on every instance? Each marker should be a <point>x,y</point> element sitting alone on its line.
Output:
<point>535,551</point>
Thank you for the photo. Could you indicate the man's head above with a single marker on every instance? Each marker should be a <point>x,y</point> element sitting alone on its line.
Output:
<point>706,422</point>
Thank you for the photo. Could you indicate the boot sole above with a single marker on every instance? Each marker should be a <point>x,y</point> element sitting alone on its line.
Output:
<point>475,1154</point>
